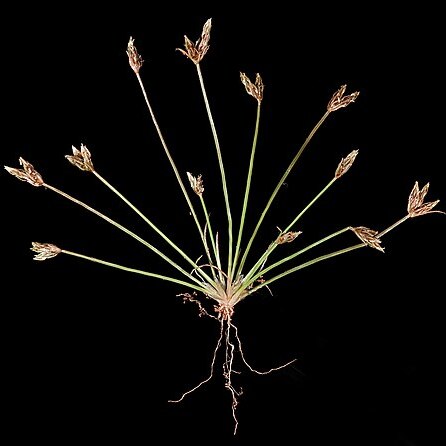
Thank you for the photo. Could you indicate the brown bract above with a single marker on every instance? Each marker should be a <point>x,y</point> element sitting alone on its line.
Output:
<point>81,158</point>
<point>368,237</point>
<point>28,173</point>
<point>255,89</point>
<point>196,183</point>
<point>45,250</point>
<point>346,163</point>
<point>339,100</point>
<point>416,206</point>
<point>288,237</point>
<point>135,60</point>
<point>196,51</point>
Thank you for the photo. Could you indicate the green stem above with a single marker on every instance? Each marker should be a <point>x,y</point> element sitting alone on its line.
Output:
<point>274,245</point>
<point>308,206</point>
<point>298,253</point>
<point>124,229</point>
<point>318,259</point>
<point>279,185</point>
<point>222,169</point>
<point>304,265</point>
<point>169,156</point>
<point>248,186</point>
<point>250,280</point>
<point>137,271</point>
<point>211,236</point>
<point>155,228</point>
<point>393,226</point>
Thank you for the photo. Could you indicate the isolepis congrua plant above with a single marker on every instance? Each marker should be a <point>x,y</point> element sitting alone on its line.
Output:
<point>224,279</point>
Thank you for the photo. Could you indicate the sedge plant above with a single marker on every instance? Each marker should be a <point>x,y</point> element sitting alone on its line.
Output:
<point>225,278</point>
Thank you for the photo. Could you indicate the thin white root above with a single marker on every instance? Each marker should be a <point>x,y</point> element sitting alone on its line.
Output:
<point>212,369</point>
<point>225,318</point>
<point>227,372</point>
<point>246,362</point>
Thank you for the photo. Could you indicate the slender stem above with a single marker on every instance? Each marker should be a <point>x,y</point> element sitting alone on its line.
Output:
<point>309,263</point>
<point>124,229</point>
<point>153,226</point>
<point>248,186</point>
<point>259,264</point>
<point>211,236</point>
<point>279,185</point>
<point>217,249</point>
<point>137,271</point>
<point>393,226</point>
<point>308,206</point>
<point>324,257</point>
<point>298,253</point>
<point>169,156</point>
<point>222,169</point>
<point>250,280</point>
<point>274,245</point>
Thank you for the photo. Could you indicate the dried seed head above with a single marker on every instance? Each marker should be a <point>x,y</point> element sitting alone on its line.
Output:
<point>288,237</point>
<point>196,51</point>
<point>196,183</point>
<point>339,100</point>
<point>81,158</point>
<point>45,250</point>
<point>135,60</point>
<point>28,173</point>
<point>416,206</point>
<point>253,89</point>
<point>368,237</point>
<point>346,163</point>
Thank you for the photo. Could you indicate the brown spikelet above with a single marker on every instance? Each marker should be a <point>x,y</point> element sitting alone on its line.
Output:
<point>196,51</point>
<point>135,60</point>
<point>288,237</point>
<point>368,237</point>
<point>346,163</point>
<point>416,206</point>
<point>81,158</point>
<point>196,183</point>
<point>339,100</point>
<point>253,89</point>
<point>45,250</point>
<point>28,173</point>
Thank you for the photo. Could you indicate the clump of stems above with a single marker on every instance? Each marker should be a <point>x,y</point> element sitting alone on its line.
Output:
<point>224,281</point>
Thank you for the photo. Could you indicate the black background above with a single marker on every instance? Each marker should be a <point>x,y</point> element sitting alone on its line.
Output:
<point>91,353</point>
